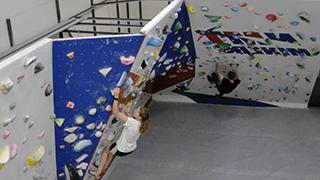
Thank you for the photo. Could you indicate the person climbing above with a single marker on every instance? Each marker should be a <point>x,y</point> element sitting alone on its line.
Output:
<point>224,85</point>
<point>133,127</point>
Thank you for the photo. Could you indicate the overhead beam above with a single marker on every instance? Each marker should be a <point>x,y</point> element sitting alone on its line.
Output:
<point>109,24</point>
<point>90,32</point>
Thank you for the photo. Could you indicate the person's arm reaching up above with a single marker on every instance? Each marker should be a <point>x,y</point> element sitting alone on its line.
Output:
<point>218,71</point>
<point>115,110</point>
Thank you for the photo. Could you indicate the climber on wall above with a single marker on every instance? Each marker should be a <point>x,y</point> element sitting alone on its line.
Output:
<point>223,84</point>
<point>133,127</point>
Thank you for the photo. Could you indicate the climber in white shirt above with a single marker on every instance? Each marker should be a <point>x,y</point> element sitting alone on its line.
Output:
<point>133,127</point>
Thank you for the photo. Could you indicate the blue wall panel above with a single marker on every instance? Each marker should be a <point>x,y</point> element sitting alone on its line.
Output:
<point>184,38</point>
<point>78,80</point>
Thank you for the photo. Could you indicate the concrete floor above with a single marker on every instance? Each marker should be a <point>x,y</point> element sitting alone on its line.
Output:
<point>207,142</point>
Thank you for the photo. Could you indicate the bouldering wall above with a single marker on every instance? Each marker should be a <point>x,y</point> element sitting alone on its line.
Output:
<point>85,70</point>
<point>177,57</point>
<point>156,32</point>
<point>274,45</point>
<point>27,148</point>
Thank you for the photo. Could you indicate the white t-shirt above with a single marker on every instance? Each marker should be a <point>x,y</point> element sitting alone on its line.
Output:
<point>129,136</point>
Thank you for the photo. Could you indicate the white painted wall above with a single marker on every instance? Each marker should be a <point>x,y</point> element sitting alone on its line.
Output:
<point>29,97</point>
<point>28,18</point>
<point>243,21</point>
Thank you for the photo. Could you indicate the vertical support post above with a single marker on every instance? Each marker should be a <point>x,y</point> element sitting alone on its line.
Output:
<point>93,14</point>
<point>118,15</point>
<point>128,16</point>
<point>58,15</point>
<point>140,12</point>
<point>10,32</point>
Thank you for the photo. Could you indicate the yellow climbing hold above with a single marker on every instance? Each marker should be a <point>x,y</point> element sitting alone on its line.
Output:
<point>31,162</point>
<point>191,9</point>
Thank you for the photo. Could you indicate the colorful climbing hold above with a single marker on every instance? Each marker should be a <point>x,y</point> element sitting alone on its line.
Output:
<point>271,17</point>
<point>213,19</point>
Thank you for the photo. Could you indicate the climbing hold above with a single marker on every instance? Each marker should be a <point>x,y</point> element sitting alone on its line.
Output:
<point>108,108</point>
<point>79,119</point>
<point>127,60</point>
<point>234,9</point>
<point>166,30</point>
<point>227,17</point>
<point>82,145</point>
<point>36,156</point>
<point>258,13</point>
<point>38,68</point>
<point>98,134</point>
<point>20,78</point>
<point>184,50</point>
<point>48,90</point>
<point>271,17</point>
<point>81,158</point>
<point>13,151</point>
<point>5,134</point>
<point>71,129</point>
<point>304,16</point>
<point>6,85</point>
<point>71,138</point>
<point>70,105</point>
<point>177,27</point>
<point>213,19</point>
<point>12,106</point>
<point>59,121</point>
<point>294,23</point>
<point>205,9</point>
<point>91,126</point>
<point>250,8</point>
<point>242,4</point>
<point>4,154</point>
<point>105,71</point>
<point>101,101</point>
<point>92,111</point>
<point>41,134</point>
<point>122,79</point>
<point>30,61</point>
<point>154,41</point>
<point>191,9</point>
<point>7,121</point>
<point>30,125</point>
<point>313,39</point>
<point>70,55</point>
<point>227,3</point>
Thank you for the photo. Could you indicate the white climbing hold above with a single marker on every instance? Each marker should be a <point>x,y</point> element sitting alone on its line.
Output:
<point>71,138</point>
<point>91,126</point>
<point>92,111</point>
<point>79,119</point>
<point>105,71</point>
<point>71,129</point>
<point>98,134</point>
<point>82,145</point>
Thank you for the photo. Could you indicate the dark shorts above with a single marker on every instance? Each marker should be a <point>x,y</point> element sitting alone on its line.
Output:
<point>113,147</point>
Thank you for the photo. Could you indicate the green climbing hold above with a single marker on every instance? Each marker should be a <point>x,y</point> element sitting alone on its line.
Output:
<point>300,65</point>
<point>268,41</point>
<point>213,19</point>
<point>305,17</point>
<point>177,27</point>
<point>224,45</point>
<point>184,50</point>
